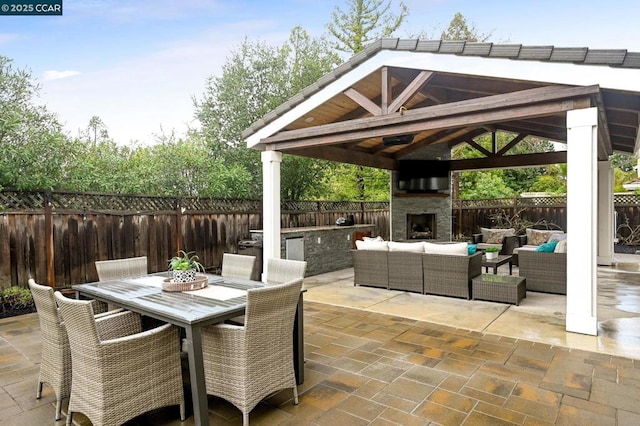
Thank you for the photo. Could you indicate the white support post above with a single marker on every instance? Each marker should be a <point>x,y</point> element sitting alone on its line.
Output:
<point>270,207</point>
<point>605,213</point>
<point>582,220</point>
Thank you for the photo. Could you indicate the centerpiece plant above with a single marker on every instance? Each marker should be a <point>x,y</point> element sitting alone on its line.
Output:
<point>184,267</point>
<point>491,252</point>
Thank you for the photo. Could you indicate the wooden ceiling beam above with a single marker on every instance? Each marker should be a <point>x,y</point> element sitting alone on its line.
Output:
<point>512,143</point>
<point>604,138</point>
<point>510,161</point>
<point>621,101</point>
<point>346,132</point>
<point>342,155</point>
<point>473,144</point>
<point>623,118</point>
<point>536,132</point>
<point>410,90</point>
<point>363,101</point>
<point>504,107</point>
<point>622,131</point>
<point>442,136</point>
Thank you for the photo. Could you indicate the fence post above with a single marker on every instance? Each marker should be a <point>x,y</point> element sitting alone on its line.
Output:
<point>48,229</point>
<point>178,225</point>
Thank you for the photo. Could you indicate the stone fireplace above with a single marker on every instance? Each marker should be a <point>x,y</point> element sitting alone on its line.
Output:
<point>425,210</point>
<point>422,226</point>
<point>421,215</point>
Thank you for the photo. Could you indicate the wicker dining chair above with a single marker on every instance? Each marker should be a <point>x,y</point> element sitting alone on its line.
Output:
<point>55,365</point>
<point>238,266</point>
<point>245,364</point>
<point>279,271</point>
<point>121,268</point>
<point>115,379</point>
<point>284,270</point>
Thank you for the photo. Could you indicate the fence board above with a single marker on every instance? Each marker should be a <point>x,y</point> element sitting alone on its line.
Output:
<point>90,227</point>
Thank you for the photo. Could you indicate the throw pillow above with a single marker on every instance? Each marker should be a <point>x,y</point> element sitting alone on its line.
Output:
<point>538,236</point>
<point>408,247</point>
<point>457,249</point>
<point>471,249</point>
<point>561,247</point>
<point>485,234</point>
<point>559,236</point>
<point>547,247</point>
<point>495,237</point>
<point>502,232</point>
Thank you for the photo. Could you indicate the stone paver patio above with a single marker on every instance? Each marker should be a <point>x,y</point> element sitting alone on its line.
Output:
<point>373,368</point>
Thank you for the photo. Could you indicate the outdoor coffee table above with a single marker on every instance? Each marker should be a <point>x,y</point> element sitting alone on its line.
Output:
<point>498,261</point>
<point>499,288</point>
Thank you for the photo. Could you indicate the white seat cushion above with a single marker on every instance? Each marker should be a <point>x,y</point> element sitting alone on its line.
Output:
<point>408,247</point>
<point>457,249</point>
<point>372,245</point>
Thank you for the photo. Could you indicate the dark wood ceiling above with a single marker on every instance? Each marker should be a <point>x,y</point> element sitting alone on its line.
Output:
<point>449,108</point>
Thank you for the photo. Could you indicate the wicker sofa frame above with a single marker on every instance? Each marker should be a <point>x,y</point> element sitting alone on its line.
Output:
<point>424,273</point>
<point>545,272</point>
<point>447,275</point>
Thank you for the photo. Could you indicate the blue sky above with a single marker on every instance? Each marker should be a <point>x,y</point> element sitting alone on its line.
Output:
<point>138,64</point>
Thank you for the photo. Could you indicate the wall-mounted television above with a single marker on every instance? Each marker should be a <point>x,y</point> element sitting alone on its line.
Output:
<point>423,175</point>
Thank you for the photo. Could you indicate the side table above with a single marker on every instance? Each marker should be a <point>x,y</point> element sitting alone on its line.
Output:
<point>499,288</point>
<point>498,261</point>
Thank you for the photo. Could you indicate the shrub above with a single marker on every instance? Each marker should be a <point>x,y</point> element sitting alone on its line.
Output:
<point>15,300</point>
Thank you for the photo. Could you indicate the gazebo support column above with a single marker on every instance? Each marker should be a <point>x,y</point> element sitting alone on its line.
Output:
<point>606,223</point>
<point>582,220</point>
<point>271,161</point>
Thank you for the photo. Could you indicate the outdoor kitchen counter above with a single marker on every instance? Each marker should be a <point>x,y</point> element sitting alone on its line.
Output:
<point>324,248</point>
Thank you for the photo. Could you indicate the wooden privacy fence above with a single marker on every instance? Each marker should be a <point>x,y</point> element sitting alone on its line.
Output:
<point>55,237</point>
<point>469,215</point>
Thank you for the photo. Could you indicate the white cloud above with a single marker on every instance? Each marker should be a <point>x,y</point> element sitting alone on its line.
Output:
<point>58,75</point>
<point>7,38</point>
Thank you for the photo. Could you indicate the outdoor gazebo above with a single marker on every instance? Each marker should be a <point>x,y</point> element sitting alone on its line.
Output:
<point>416,99</point>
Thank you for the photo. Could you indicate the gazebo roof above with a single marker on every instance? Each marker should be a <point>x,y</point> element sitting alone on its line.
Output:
<point>449,92</point>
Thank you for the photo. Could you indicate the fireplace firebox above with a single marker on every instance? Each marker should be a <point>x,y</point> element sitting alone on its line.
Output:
<point>421,226</point>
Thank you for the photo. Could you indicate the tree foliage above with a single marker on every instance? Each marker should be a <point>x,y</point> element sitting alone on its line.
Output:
<point>257,78</point>
<point>502,182</point>
<point>31,138</point>
<point>459,29</point>
<point>364,22</point>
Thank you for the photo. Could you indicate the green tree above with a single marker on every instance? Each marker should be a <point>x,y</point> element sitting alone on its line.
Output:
<point>553,181</point>
<point>96,129</point>
<point>339,184</point>
<point>459,30</point>
<point>620,177</point>
<point>255,79</point>
<point>479,185</point>
<point>624,162</point>
<point>31,138</point>
<point>517,180</point>
<point>364,22</point>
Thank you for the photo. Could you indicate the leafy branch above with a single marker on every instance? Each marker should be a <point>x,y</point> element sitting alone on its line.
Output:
<point>517,222</point>
<point>627,234</point>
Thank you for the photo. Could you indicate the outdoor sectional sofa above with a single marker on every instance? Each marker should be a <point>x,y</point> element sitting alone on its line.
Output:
<point>545,272</point>
<point>415,271</point>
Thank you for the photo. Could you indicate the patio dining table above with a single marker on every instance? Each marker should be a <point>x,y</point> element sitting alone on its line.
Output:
<point>222,299</point>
